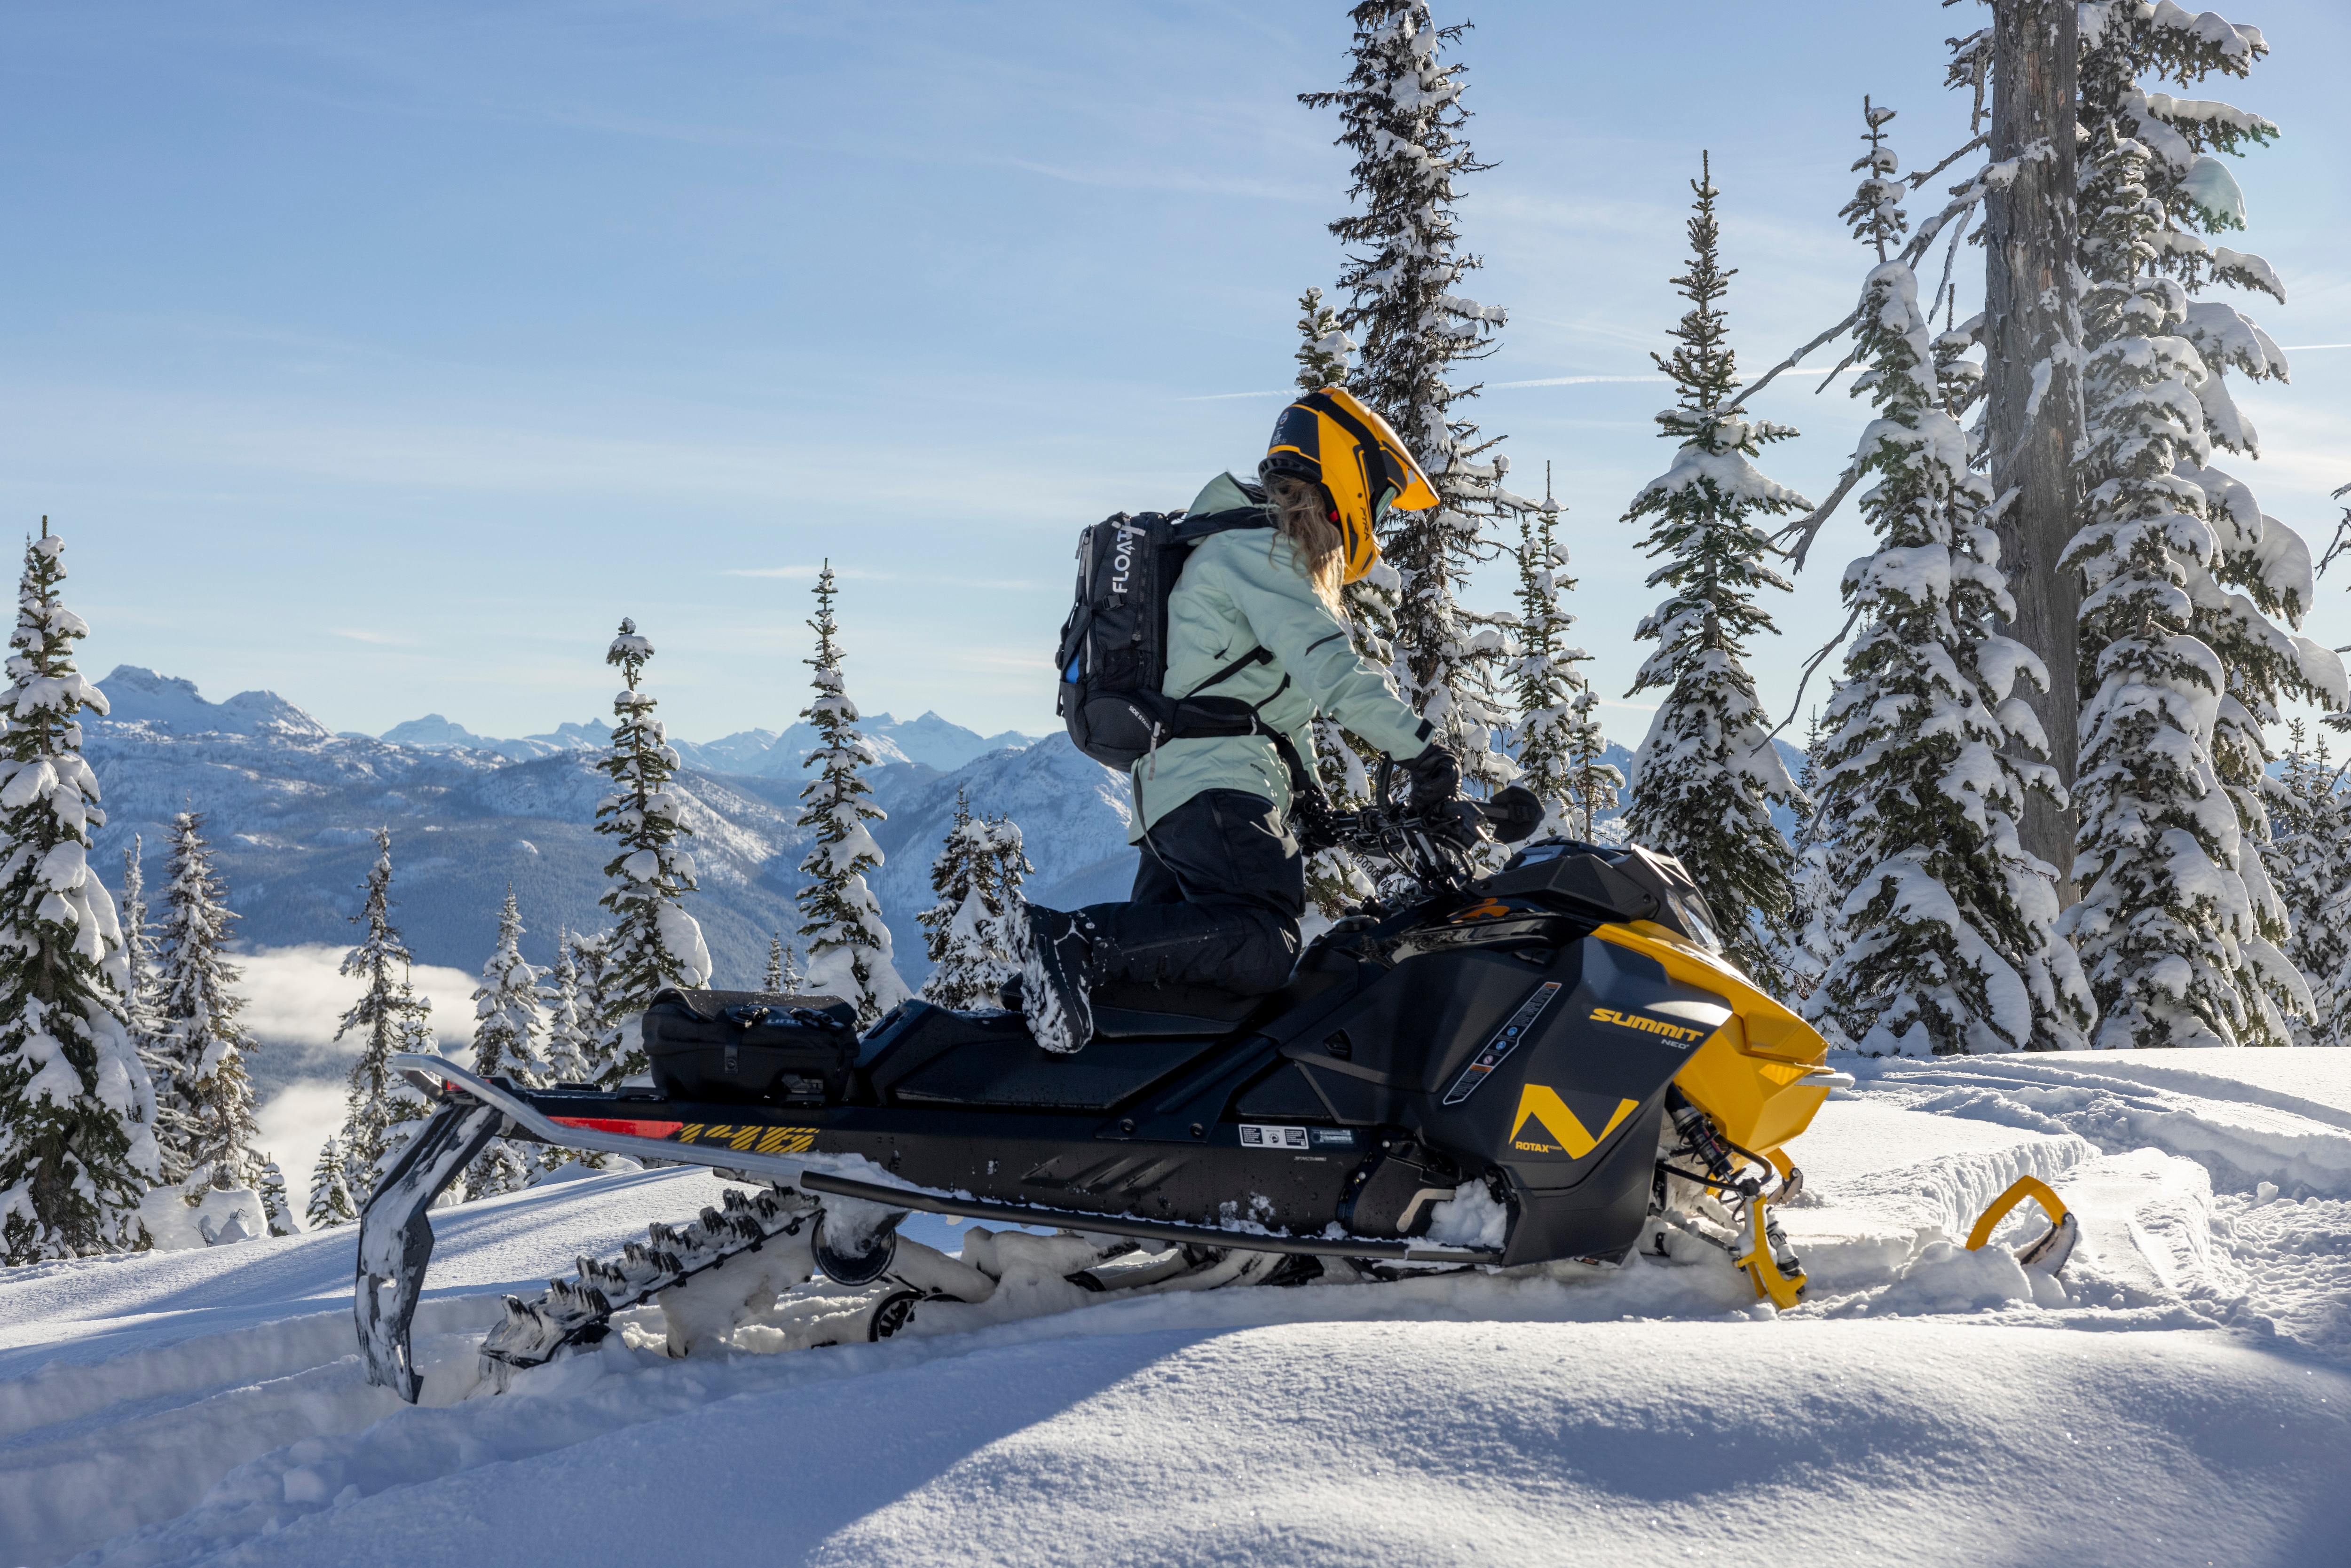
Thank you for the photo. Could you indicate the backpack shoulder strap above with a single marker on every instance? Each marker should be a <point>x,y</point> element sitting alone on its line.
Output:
<point>1193,528</point>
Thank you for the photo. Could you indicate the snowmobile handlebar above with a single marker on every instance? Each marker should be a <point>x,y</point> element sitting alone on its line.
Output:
<point>1431,840</point>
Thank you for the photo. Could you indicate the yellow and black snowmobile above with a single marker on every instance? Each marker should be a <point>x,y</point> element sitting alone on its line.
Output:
<point>1553,1062</point>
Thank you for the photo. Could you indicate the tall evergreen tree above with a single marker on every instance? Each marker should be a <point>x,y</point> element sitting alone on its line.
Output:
<point>653,942</point>
<point>1324,349</point>
<point>330,1189</point>
<point>139,1010</point>
<point>588,951</point>
<point>78,1146</point>
<point>381,1111</point>
<point>1705,779</point>
<point>1558,737</point>
<point>277,1208</point>
<point>1401,114</point>
<point>569,1018</point>
<point>2177,923</point>
<point>848,945</point>
<point>963,930</point>
<point>505,1044</point>
<point>2312,858</point>
<point>2157,358</point>
<point>201,1042</point>
<point>1939,927</point>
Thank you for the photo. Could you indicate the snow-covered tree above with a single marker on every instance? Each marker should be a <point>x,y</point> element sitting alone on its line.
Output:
<point>591,953</point>
<point>203,1047</point>
<point>2311,862</point>
<point>1939,927</point>
<point>78,1147</point>
<point>1401,115</point>
<point>277,1208</point>
<point>2169,927</point>
<point>653,942</point>
<point>783,976</point>
<point>330,1189</point>
<point>505,1044</point>
<point>1324,349</point>
<point>848,945</point>
<point>963,930</point>
<point>573,1047</point>
<point>1557,737</point>
<point>570,1039</point>
<point>381,1110</point>
<point>2153,191</point>
<point>1707,775</point>
<point>139,1008</point>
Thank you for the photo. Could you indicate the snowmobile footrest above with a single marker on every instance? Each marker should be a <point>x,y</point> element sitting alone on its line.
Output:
<point>1144,1229</point>
<point>396,1237</point>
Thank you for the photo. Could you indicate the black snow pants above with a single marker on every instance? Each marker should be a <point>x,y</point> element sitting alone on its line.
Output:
<point>1217,902</point>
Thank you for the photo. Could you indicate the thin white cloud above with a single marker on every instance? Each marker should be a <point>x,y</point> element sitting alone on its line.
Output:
<point>383,638</point>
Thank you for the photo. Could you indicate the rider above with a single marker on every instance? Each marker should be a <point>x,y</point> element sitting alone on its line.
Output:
<point>1222,883</point>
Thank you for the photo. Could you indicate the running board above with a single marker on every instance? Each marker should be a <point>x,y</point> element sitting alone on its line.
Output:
<point>437,1076</point>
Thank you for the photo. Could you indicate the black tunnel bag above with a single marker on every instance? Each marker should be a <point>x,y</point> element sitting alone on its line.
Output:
<point>732,1046</point>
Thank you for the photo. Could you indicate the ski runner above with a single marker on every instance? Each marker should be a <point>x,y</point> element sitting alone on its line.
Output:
<point>1221,886</point>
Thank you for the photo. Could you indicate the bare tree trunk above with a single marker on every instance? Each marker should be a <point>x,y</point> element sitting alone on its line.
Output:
<point>2032,364</point>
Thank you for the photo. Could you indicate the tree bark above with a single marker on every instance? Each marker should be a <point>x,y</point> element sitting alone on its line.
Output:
<point>2033,337</point>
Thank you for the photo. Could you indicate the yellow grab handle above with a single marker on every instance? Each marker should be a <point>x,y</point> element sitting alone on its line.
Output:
<point>2023,1187</point>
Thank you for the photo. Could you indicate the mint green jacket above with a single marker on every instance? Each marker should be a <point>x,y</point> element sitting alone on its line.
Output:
<point>1240,590</point>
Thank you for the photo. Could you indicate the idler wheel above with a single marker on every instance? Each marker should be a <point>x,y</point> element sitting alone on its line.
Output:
<point>855,1254</point>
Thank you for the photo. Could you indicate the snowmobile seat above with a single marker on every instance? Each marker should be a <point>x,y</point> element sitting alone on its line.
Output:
<point>1143,1012</point>
<point>935,1057</point>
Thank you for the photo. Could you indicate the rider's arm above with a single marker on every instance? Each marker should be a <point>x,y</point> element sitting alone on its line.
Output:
<point>1313,647</point>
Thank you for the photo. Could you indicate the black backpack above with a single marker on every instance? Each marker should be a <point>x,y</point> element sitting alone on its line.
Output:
<point>1113,652</point>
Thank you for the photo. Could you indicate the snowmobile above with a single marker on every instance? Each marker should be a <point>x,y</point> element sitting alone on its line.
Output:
<point>1550,1061</point>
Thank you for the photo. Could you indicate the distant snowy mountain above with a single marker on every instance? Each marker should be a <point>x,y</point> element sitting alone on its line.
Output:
<point>291,805</point>
<point>930,740</point>
<point>434,733</point>
<point>142,696</point>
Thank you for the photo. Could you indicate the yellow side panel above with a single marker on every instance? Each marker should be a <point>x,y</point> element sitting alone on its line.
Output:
<point>1748,1075</point>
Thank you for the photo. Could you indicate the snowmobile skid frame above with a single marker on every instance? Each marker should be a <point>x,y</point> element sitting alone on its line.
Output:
<point>1550,1062</point>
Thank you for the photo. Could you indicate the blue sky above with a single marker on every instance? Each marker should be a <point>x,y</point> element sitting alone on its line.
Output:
<point>385,356</point>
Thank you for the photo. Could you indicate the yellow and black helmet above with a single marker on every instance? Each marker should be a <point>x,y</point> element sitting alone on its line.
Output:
<point>1329,438</point>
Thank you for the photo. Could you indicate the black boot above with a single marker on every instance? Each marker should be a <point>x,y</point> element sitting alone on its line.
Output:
<point>1053,952</point>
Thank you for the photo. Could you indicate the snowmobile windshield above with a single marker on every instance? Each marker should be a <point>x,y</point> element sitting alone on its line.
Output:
<point>1691,912</point>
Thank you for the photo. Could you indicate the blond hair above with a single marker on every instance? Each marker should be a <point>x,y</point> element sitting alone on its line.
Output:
<point>1302,516</point>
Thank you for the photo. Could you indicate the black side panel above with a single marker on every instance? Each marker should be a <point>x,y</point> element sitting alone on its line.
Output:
<point>1420,1022</point>
<point>1286,1096</point>
<point>1014,1072</point>
<point>1601,1216</point>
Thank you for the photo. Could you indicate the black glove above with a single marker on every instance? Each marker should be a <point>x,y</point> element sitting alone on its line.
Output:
<point>1436,777</point>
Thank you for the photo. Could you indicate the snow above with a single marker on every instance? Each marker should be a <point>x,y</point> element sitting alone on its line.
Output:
<point>2180,1394</point>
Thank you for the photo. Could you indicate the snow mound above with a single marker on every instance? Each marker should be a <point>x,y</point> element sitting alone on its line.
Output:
<point>2184,1386</point>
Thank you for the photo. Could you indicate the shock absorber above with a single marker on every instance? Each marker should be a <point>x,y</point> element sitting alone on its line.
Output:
<point>1698,1136</point>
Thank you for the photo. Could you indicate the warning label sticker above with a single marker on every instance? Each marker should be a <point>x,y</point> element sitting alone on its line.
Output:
<point>1254,1136</point>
